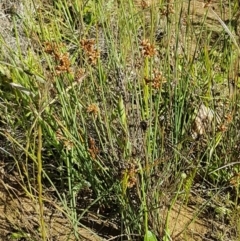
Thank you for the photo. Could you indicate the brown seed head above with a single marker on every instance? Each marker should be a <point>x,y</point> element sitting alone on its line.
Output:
<point>148,49</point>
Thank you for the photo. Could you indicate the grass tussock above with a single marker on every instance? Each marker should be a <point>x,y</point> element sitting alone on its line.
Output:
<point>127,110</point>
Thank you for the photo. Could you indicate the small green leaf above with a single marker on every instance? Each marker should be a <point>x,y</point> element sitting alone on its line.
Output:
<point>149,236</point>
<point>22,89</point>
<point>5,72</point>
<point>19,235</point>
<point>122,112</point>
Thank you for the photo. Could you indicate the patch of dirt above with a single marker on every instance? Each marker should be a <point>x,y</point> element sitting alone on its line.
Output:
<point>19,215</point>
<point>186,225</point>
<point>198,10</point>
<point>203,18</point>
<point>183,225</point>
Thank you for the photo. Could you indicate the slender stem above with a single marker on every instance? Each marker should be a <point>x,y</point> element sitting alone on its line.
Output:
<point>39,180</point>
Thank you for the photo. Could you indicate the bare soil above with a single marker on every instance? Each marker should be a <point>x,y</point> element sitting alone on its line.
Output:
<point>19,215</point>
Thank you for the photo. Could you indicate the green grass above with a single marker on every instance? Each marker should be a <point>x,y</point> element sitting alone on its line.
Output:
<point>96,106</point>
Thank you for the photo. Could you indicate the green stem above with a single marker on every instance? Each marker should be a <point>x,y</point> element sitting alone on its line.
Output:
<point>39,180</point>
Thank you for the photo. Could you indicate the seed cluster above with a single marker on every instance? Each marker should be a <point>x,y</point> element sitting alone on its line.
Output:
<point>92,54</point>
